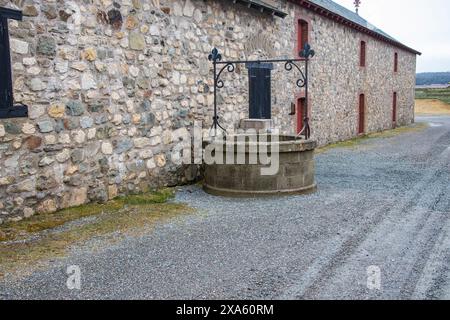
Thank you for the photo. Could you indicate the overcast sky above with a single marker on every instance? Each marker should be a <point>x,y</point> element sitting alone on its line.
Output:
<point>422,25</point>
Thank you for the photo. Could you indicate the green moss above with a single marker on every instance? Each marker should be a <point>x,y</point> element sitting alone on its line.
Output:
<point>356,142</point>
<point>131,215</point>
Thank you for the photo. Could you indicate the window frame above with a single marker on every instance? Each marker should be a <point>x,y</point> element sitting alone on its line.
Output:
<point>363,54</point>
<point>394,107</point>
<point>396,62</point>
<point>7,107</point>
<point>302,34</point>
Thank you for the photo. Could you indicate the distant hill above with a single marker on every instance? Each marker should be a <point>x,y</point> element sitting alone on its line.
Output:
<point>428,78</point>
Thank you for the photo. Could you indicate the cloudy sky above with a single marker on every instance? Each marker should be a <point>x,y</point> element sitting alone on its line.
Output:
<point>422,25</point>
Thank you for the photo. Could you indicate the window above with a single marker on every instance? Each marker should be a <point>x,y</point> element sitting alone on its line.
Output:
<point>396,62</point>
<point>7,108</point>
<point>362,55</point>
<point>362,114</point>
<point>394,108</point>
<point>301,112</point>
<point>302,34</point>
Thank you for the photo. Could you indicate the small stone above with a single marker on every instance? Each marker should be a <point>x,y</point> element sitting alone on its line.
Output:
<point>177,9</point>
<point>134,71</point>
<point>19,46</point>
<point>136,41</point>
<point>142,142</point>
<point>2,131</point>
<point>30,11</point>
<point>45,126</point>
<point>37,85</point>
<point>86,122</point>
<point>88,81</point>
<point>107,148</point>
<point>12,128</point>
<point>28,128</point>
<point>131,22</point>
<point>29,61</point>
<point>79,136</point>
<point>75,108</point>
<point>46,161</point>
<point>122,145</point>
<point>28,212</point>
<point>46,46</point>
<point>33,142</point>
<point>63,156</point>
<point>56,111</point>
<point>112,192</point>
<point>75,198</point>
<point>71,169</point>
<point>5,181</point>
<point>151,164</point>
<point>160,160</point>
<point>79,66</point>
<point>23,186</point>
<point>189,8</point>
<point>154,31</point>
<point>77,156</point>
<point>47,206</point>
<point>90,54</point>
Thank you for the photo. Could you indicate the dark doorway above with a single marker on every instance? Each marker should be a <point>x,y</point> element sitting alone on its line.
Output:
<point>394,110</point>
<point>260,90</point>
<point>362,114</point>
<point>301,109</point>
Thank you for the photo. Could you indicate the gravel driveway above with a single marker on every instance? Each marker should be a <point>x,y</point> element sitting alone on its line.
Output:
<point>384,203</point>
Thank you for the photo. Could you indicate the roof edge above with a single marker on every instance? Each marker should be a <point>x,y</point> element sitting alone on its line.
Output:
<point>344,21</point>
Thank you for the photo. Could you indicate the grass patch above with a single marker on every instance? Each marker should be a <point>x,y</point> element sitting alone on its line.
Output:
<point>31,243</point>
<point>355,142</point>
<point>442,94</point>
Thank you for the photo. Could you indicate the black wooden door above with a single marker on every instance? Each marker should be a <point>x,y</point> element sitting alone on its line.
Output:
<point>260,90</point>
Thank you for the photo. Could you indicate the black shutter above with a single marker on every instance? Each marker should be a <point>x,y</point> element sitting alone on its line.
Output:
<point>260,90</point>
<point>7,108</point>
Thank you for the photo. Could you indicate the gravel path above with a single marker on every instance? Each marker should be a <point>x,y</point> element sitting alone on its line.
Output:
<point>384,203</point>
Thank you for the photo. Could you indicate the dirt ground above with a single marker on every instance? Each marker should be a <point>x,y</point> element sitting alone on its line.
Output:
<point>431,107</point>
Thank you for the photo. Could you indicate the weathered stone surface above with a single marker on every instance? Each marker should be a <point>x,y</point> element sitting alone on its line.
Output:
<point>46,46</point>
<point>30,11</point>
<point>75,197</point>
<point>63,156</point>
<point>56,111</point>
<point>107,148</point>
<point>90,54</point>
<point>33,142</point>
<point>136,41</point>
<point>12,128</point>
<point>75,108</point>
<point>28,128</point>
<point>19,46</point>
<point>2,131</point>
<point>46,126</point>
<point>47,206</point>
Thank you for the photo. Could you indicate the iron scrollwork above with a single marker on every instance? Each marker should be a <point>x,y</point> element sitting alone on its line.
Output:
<point>301,82</point>
<point>289,64</point>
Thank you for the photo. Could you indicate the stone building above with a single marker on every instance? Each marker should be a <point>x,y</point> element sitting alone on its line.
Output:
<point>108,86</point>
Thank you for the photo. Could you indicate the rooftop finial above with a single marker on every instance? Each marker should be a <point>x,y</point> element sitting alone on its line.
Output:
<point>357,3</point>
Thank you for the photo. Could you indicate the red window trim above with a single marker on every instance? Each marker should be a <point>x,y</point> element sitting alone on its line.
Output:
<point>363,54</point>
<point>396,62</point>
<point>302,32</point>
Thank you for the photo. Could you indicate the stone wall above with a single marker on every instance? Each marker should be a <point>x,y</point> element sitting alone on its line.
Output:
<point>110,86</point>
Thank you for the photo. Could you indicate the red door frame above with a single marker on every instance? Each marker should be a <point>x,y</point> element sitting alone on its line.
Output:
<point>394,110</point>
<point>361,114</point>
<point>300,96</point>
<point>301,102</point>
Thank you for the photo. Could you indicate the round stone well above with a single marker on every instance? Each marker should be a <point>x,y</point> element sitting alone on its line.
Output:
<point>240,173</point>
